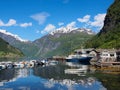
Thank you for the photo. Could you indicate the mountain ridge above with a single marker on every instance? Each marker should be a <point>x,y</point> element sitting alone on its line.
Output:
<point>8,51</point>
<point>59,42</point>
<point>13,35</point>
<point>27,47</point>
<point>63,30</point>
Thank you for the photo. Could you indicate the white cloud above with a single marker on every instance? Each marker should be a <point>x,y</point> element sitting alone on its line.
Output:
<point>26,24</point>
<point>60,23</point>
<point>97,23</point>
<point>40,17</point>
<point>48,28</point>
<point>98,20</point>
<point>51,28</point>
<point>1,23</point>
<point>71,25</point>
<point>11,22</point>
<point>84,19</point>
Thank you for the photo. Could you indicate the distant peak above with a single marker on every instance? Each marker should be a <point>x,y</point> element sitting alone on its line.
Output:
<point>69,29</point>
<point>13,35</point>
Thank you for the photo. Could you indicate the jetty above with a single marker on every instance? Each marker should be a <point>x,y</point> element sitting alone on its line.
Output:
<point>107,62</point>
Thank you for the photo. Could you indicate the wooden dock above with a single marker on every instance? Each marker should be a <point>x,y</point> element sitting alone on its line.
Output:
<point>107,67</point>
<point>107,64</point>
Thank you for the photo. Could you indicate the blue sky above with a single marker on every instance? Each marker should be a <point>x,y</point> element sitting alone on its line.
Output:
<point>31,19</point>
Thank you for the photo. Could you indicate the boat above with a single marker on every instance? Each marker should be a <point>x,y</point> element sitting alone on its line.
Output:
<point>19,65</point>
<point>81,57</point>
<point>2,67</point>
<point>53,62</point>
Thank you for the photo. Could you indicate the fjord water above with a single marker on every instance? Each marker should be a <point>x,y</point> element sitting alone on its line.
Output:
<point>63,76</point>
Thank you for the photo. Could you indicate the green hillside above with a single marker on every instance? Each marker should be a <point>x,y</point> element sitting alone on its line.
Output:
<point>109,36</point>
<point>8,51</point>
<point>28,48</point>
<point>65,44</point>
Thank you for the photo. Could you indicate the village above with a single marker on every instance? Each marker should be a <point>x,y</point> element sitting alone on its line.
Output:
<point>107,60</point>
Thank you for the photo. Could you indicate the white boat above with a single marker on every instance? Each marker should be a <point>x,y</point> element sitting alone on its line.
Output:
<point>53,62</point>
<point>2,67</point>
<point>19,65</point>
<point>82,57</point>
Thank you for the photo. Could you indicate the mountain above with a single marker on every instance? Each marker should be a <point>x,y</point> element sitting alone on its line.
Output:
<point>4,34</point>
<point>7,50</point>
<point>109,35</point>
<point>59,42</point>
<point>27,47</point>
<point>62,41</point>
<point>67,29</point>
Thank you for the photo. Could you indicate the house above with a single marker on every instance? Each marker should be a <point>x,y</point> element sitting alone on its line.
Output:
<point>94,53</point>
<point>108,56</point>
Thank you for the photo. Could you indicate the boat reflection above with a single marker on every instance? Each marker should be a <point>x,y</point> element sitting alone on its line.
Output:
<point>76,68</point>
<point>67,75</point>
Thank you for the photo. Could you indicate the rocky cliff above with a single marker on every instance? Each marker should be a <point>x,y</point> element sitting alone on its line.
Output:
<point>109,35</point>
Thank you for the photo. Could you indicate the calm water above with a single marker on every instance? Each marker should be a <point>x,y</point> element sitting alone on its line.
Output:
<point>63,76</point>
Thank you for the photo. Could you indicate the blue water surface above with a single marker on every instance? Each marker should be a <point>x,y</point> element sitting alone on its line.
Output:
<point>47,78</point>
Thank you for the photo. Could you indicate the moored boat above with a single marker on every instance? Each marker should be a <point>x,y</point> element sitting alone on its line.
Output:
<point>81,57</point>
<point>2,67</point>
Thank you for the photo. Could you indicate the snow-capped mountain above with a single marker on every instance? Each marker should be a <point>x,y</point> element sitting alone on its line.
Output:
<point>59,42</point>
<point>4,32</point>
<point>69,30</point>
<point>27,47</point>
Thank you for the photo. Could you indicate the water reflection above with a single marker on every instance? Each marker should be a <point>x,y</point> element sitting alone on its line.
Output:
<point>71,76</point>
<point>71,83</point>
<point>52,78</point>
<point>12,75</point>
<point>76,68</point>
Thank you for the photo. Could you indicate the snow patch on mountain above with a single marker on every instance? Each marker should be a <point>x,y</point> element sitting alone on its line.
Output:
<point>68,30</point>
<point>13,35</point>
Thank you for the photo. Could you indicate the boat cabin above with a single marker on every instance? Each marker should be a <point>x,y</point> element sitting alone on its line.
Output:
<point>83,51</point>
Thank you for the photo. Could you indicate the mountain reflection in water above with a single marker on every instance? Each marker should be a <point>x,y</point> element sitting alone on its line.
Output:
<point>65,76</point>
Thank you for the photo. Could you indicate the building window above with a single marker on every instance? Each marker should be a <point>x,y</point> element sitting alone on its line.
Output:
<point>112,55</point>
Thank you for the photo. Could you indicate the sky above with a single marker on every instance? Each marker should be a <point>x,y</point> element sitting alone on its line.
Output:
<point>32,19</point>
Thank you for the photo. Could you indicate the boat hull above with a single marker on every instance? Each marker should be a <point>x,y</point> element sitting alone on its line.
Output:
<point>83,60</point>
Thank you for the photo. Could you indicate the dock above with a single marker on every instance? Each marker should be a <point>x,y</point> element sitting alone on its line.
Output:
<point>107,64</point>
